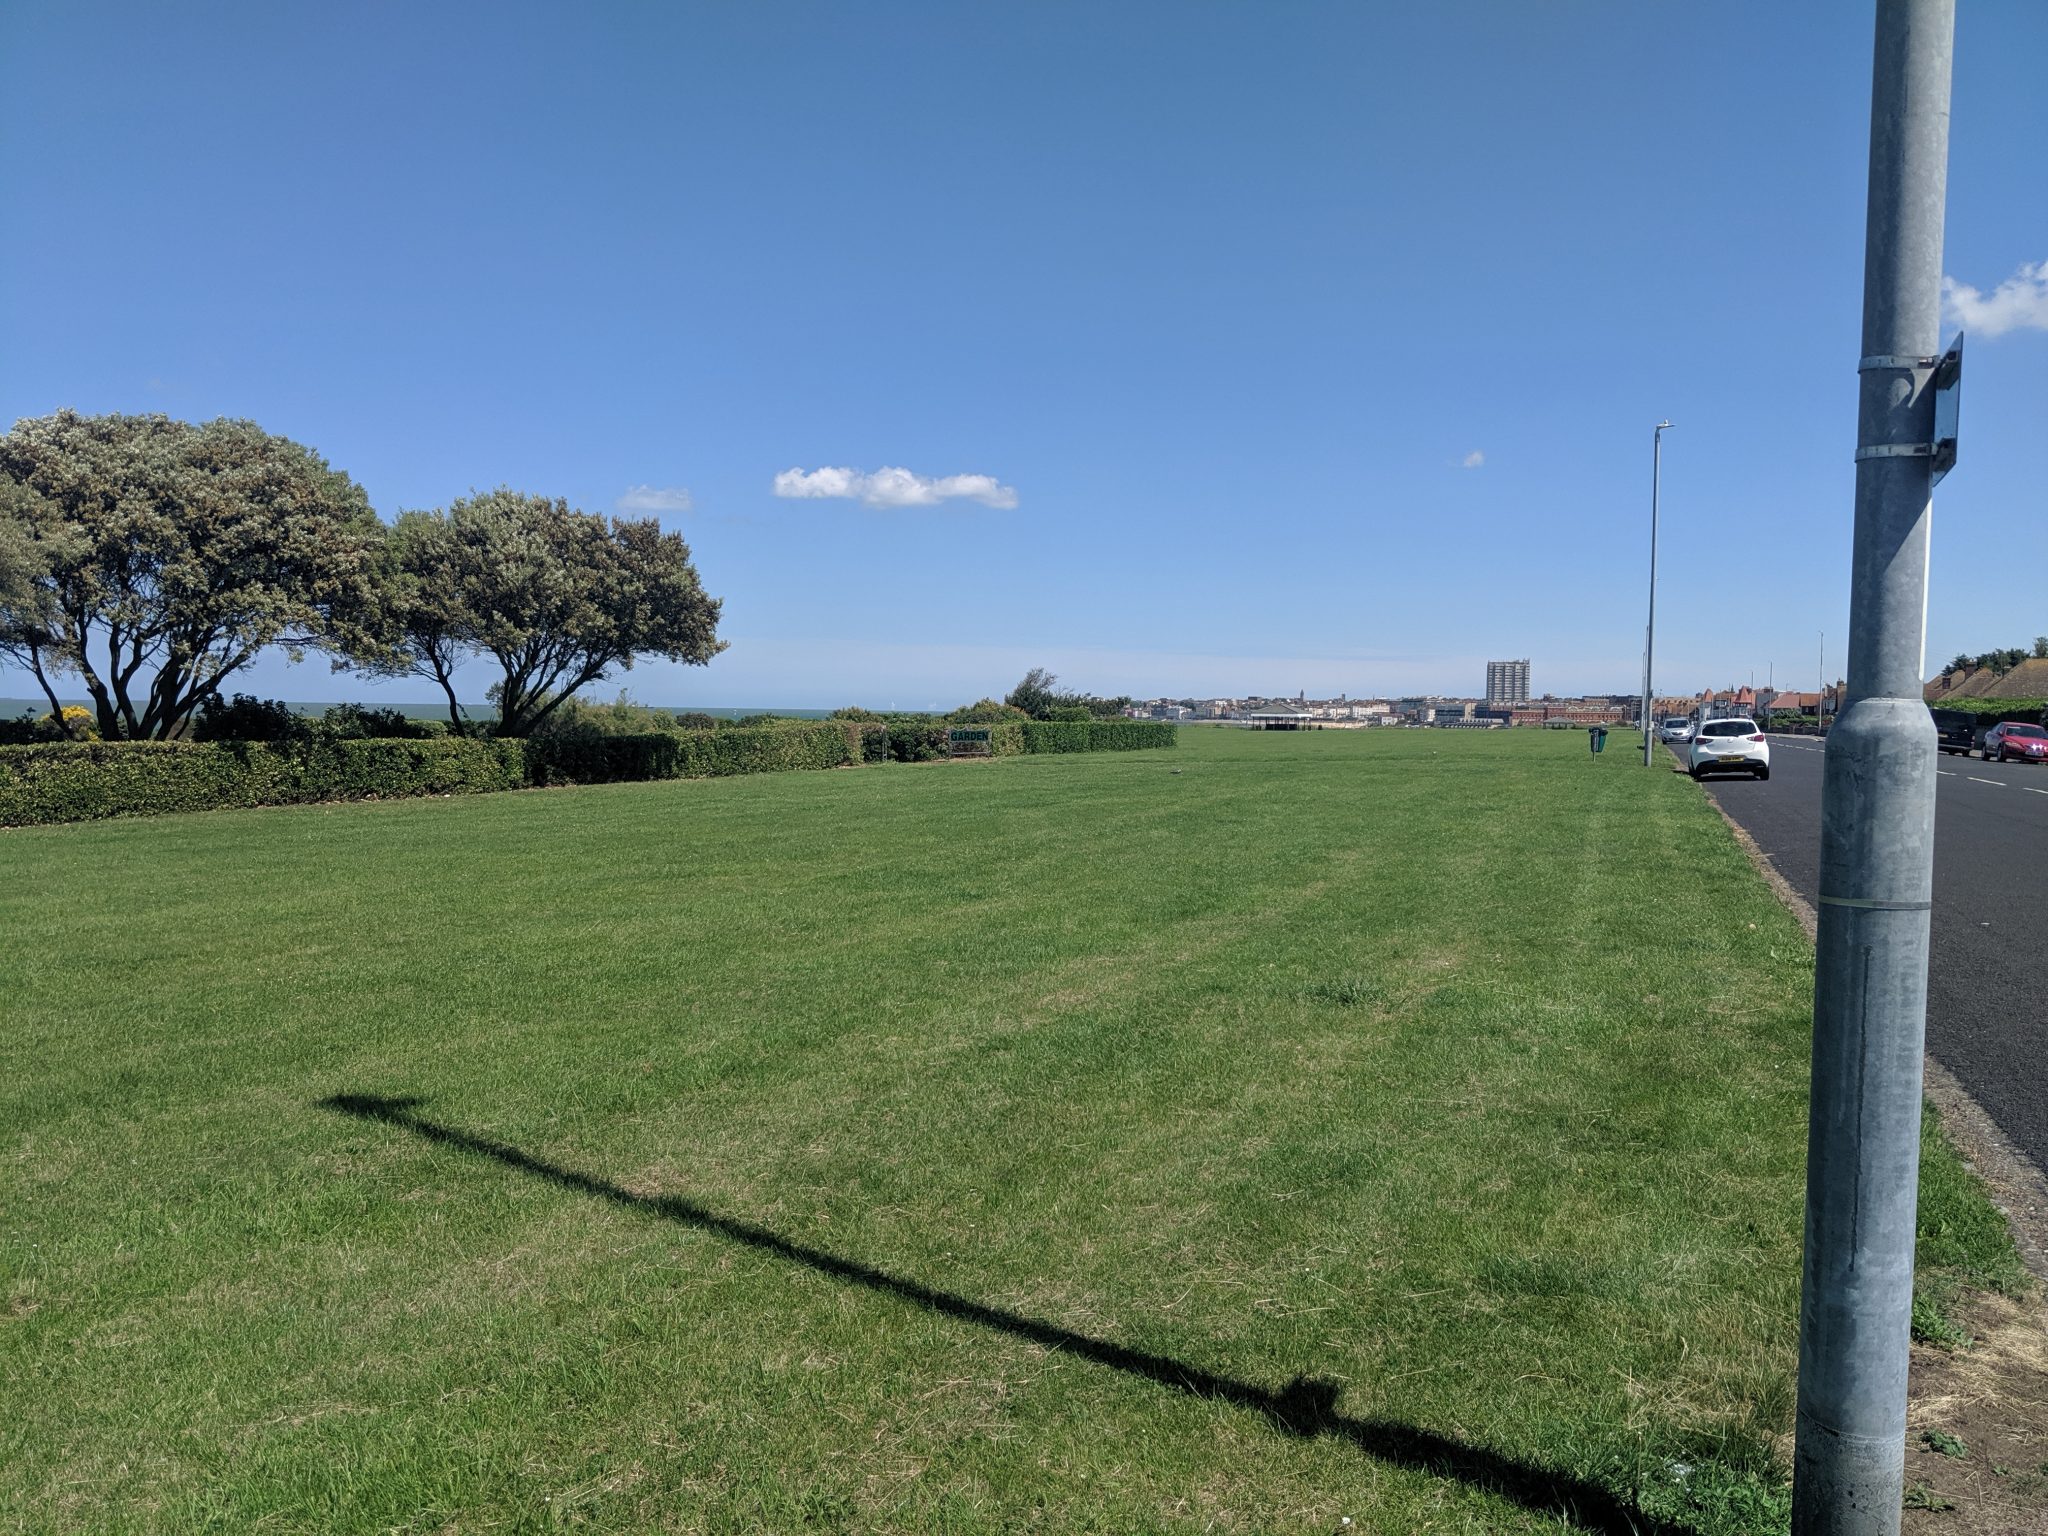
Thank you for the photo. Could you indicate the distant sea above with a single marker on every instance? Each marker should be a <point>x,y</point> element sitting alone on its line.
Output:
<point>437,709</point>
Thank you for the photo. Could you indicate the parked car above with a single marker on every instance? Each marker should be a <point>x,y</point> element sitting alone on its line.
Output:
<point>1676,729</point>
<point>2011,740</point>
<point>1956,728</point>
<point>1732,745</point>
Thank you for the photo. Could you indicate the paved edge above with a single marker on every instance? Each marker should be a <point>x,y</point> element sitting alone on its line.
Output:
<point>2017,1186</point>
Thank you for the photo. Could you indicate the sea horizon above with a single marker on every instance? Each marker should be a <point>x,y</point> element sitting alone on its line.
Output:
<point>417,709</point>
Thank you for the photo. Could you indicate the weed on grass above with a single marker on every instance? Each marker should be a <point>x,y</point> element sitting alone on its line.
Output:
<point>1920,1496</point>
<point>1933,1295</point>
<point>1346,991</point>
<point>1942,1443</point>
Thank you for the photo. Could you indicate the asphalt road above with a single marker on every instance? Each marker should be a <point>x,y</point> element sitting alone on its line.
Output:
<point>1987,983</point>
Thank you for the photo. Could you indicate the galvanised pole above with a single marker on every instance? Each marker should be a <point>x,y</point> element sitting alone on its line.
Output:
<point>1877,836</point>
<point>1650,633</point>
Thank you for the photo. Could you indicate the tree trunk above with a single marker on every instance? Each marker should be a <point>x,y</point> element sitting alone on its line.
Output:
<point>35,663</point>
<point>111,726</point>
<point>455,721</point>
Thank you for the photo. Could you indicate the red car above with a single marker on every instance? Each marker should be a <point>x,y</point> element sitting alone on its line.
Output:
<point>2009,739</point>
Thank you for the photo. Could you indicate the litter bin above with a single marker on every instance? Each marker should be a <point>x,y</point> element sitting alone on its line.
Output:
<point>1596,737</point>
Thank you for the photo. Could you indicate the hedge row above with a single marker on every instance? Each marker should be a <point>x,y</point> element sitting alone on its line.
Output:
<point>702,754</point>
<point>920,741</point>
<point>1095,735</point>
<point>1991,711</point>
<point>85,781</point>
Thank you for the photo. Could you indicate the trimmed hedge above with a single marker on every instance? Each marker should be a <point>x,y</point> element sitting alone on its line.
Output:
<point>84,781</point>
<point>1991,711</point>
<point>918,741</point>
<point>873,736</point>
<point>693,754</point>
<point>1096,735</point>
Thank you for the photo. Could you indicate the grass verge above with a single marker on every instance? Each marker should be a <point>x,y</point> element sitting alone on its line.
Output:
<point>1964,1244</point>
<point>1295,1126</point>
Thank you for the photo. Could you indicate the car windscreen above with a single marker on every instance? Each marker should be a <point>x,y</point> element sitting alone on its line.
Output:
<point>1728,728</point>
<point>2025,730</point>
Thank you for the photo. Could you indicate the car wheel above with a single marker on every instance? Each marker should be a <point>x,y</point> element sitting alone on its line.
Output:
<point>1763,773</point>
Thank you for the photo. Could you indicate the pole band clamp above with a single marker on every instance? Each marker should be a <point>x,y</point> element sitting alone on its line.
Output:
<point>1895,451</point>
<point>1864,904</point>
<point>1879,363</point>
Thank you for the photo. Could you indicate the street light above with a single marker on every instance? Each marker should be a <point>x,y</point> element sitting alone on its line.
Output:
<point>1650,636</point>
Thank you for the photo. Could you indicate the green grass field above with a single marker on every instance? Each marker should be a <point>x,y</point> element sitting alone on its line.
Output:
<point>1401,1125</point>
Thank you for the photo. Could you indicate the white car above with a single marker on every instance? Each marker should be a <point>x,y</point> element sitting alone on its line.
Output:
<point>1675,729</point>
<point>1734,745</point>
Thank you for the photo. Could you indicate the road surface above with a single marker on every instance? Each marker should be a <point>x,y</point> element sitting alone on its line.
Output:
<point>1987,984</point>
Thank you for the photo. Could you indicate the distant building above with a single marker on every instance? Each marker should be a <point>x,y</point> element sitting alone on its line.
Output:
<point>1279,717</point>
<point>1507,683</point>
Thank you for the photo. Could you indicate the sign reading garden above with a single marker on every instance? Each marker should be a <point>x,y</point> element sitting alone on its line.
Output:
<point>968,741</point>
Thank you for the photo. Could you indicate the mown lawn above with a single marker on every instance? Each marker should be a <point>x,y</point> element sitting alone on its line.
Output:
<point>1401,1125</point>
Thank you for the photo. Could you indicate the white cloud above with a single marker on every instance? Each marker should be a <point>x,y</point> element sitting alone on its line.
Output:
<point>654,498</point>
<point>893,487</point>
<point>2018,303</point>
<point>1472,460</point>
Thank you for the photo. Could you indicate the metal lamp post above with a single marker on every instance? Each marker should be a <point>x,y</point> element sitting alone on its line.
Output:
<point>1877,829</point>
<point>1650,637</point>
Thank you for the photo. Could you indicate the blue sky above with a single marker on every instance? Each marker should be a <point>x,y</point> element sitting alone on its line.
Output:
<point>1212,306</point>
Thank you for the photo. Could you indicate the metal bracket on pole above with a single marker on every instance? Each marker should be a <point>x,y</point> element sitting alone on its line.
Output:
<point>1880,363</point>
<point>1894,451</point>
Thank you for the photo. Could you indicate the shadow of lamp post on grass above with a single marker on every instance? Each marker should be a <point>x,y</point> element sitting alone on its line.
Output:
<point>1305,1408</point>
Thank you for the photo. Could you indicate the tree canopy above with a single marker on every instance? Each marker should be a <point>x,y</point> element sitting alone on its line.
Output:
<point>164,555</point>
<point>2000,661</point>
<point>1038,692</point>
<point>985,712</point>
<point>31,538</point>
<point>24,565</point>
<point>557,597</point>
<point>1040,696</point>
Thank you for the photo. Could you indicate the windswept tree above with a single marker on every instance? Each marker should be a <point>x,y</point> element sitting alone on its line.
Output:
<point>557,598</point>
<point>167,554</point>
<point>1041,697</point>
<point>1036,694</point>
